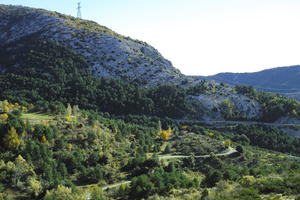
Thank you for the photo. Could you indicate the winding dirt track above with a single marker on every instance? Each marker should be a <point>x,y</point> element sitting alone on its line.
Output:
<point>226,152</point>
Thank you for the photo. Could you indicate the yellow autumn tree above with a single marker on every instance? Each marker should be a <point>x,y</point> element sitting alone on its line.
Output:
<point>165,134</point>
<point>44,140</point>
<point>35,186</point>
<point>5,106</point>
<point>69,118</point>
<point>210,134</point>
<point>3,117</point>
<point>11,139</point>
<point>69,147</point>
<point>6,109</point>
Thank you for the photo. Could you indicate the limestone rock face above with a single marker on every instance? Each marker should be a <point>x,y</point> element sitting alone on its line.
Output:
<point>107,53</point>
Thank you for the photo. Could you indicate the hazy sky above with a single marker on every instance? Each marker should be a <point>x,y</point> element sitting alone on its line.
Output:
<point>200,37</point>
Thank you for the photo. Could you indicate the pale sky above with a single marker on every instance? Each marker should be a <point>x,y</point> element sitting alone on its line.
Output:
<point>200,37</point>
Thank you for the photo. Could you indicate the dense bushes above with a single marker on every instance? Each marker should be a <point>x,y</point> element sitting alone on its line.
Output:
<point>159,182</point>
<point>266,137</point>
<point>57,153</point>
<point>198,145</point>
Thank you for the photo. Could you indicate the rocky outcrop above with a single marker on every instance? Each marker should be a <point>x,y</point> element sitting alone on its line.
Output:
<point>215,107</point>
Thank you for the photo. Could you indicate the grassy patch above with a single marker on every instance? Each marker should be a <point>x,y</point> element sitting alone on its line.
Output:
<point>37,118</point>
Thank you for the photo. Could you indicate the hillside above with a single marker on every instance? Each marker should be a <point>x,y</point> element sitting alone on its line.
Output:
<point>106,53</point>
<point>49,59</point>
<point>281,80</point>
<point>88,114</point>
<point>77,154</point>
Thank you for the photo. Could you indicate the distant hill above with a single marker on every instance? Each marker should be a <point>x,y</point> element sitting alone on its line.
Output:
<point>281,80</point>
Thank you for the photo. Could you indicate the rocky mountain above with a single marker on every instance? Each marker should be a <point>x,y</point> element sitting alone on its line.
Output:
<point>106,52</point>
<point>281,80</point>
<point>47,56</point>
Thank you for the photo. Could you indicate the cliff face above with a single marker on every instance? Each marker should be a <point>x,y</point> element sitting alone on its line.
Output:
<point>223,102</point>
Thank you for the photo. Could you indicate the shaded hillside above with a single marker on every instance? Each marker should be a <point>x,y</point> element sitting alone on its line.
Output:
<point>281,80</point>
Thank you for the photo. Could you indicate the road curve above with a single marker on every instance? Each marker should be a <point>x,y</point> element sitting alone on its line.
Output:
<point>226,152</point>
<point>116,185</point>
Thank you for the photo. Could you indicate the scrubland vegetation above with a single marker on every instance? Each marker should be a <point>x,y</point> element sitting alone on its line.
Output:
<point>70,153</point>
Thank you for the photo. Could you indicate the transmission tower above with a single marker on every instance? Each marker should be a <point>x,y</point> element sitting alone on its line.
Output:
<point>79,10</point>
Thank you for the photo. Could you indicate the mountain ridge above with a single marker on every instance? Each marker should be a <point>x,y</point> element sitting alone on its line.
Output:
<point>282,80</point>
